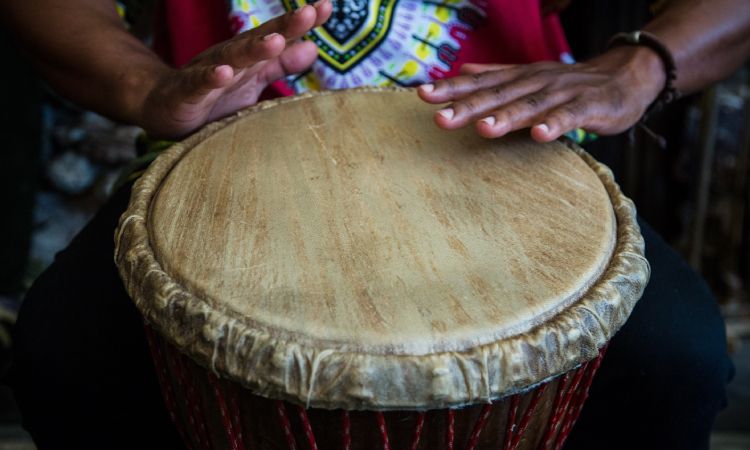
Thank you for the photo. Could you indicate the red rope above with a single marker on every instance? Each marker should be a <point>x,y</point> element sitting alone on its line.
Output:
<point>479,426</point>
<point>167,392</point>
<point>526,419</point>
<point>556,411</point>
<point>565,431</point>
<point>450,433</point>
<point>511,425</point>
<point>565,408</point>
<point>286,425</point>
<point>308,428</point>
<point>383,430</point>
<point>235,441</point>
<point>569,399</point>
<point>234,409</point>
<point>562,411</point>
<point>346,434</point>
<point>192,408</point>
<point>193,399</point>
<point>418,431</point>
<point>583,392</point>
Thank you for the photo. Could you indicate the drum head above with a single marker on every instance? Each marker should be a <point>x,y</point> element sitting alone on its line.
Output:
<point>341,250</point>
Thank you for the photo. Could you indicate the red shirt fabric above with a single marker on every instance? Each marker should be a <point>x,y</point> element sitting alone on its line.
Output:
<point>499,31</point>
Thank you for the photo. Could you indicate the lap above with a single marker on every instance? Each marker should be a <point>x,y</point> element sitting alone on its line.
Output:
<point>662,381</point>
<point>82,374</point>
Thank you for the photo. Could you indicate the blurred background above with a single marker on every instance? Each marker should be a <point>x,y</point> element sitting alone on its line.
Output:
<point>59,164</point>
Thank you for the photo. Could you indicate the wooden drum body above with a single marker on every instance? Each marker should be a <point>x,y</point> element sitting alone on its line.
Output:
<point>333,271</point>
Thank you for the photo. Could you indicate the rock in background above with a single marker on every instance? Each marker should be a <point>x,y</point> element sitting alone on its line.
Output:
<point>82,156</point>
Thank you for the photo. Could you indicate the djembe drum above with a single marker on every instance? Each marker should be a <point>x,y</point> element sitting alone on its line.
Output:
<point>333,271</point>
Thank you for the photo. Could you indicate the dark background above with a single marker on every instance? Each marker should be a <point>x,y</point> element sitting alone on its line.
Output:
<point>58,163</point>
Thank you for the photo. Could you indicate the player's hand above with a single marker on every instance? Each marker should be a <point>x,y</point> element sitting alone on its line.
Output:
<point>606,95</point>
<point>231,75</point>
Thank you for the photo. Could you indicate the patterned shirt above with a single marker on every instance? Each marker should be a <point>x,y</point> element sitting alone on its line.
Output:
<point>379,42</point>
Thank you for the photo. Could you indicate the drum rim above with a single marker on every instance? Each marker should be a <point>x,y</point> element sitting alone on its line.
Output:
<point>483,373</point>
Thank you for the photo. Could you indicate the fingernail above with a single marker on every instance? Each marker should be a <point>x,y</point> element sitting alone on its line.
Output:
<point>543,128</point>
<point>427,88</point>
<point>447,113</point>
<point>489,120</point>
<point>268,37</point>
<point>299,10</point>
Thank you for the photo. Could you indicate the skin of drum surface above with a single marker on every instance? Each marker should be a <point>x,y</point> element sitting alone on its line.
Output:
<point>339,250</point>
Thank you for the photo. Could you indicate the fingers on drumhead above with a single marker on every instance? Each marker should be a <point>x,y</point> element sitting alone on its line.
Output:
<point>456,88</point>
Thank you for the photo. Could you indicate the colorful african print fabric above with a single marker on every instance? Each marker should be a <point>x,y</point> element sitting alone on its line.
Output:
<point>409,42</point>
<point>370,42</point>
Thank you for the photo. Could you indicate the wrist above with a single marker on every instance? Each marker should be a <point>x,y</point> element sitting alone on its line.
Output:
<point>639,69</point>
<point>136,83</point>
<point>653,58</point>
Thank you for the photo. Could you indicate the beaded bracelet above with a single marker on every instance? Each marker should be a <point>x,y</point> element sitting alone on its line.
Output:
<point>669,93</point>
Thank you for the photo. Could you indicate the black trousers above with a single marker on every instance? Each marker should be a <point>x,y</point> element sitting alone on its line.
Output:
<point>83,378</point>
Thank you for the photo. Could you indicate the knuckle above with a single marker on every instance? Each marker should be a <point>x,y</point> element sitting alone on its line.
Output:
<point>503,116</point>
<point>221,53</point>
<point>467,107</point>
<point>568,115</point>
<point>203,76</point>
<point>497,94</point>
<point>541,79</point>
<point>535,100</point>
<point>191,78</point>
<point>448,84</point>
<point>539,71</point>
<point>477,78</point>
<point>548,98</point>
<point>508,116</point>
<point>567,79</point>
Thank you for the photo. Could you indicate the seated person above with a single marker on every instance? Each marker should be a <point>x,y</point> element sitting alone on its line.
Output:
<point>82,374</point>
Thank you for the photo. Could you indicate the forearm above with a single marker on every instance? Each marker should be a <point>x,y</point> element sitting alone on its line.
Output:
<point>83,50</point>
<point>607,94</point>
<point>709,39</point>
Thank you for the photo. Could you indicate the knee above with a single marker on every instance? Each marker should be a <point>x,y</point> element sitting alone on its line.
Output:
<point>700,374</point>
<point>46,353</point>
